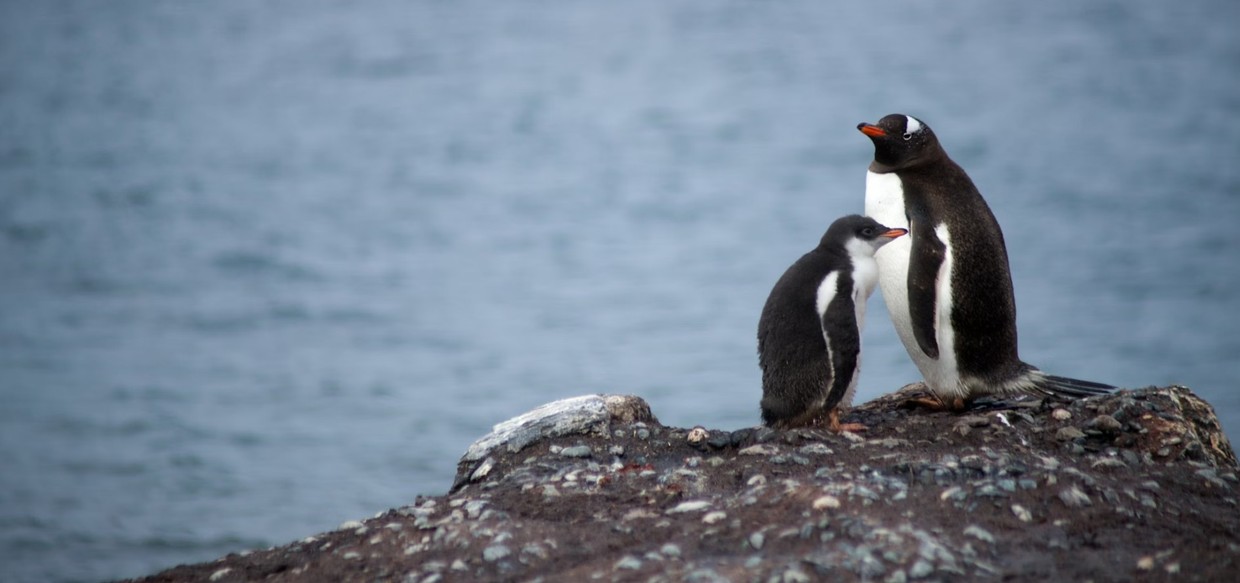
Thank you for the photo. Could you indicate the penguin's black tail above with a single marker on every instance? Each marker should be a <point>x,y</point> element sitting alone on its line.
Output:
<point>1073,388</point>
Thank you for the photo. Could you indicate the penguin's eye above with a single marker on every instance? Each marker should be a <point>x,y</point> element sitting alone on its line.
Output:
<point>868,232</point>
<point>908,136</point>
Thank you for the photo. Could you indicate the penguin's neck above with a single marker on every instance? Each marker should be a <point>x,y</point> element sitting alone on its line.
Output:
<point>864,267</point>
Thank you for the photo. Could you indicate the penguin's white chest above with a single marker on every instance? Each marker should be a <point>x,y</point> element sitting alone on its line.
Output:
<point>884,201</point>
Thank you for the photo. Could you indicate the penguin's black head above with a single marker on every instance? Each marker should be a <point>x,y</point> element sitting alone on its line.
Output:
<point>857,234</point>
<point>900,141</point>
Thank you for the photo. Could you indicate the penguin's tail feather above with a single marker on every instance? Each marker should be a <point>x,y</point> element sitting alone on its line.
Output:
<point>1073,388</point>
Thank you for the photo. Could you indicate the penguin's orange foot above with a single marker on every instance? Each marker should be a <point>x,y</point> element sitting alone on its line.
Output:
<point>934,403</point>
<point>834,425</point>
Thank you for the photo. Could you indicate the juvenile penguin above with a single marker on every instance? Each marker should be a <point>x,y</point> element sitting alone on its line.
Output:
<point>947,285</point>
<point>809,335</point>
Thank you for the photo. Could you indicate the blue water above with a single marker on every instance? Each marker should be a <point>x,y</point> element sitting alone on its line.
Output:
<point>267,267</point>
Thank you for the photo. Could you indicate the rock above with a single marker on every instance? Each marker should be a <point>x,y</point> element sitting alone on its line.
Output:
<point>1021,497</point>
<point>495,552</point>
<point>577,451</point>
<point>1073,497</point>
<point>979,533</point>
<point>691,506</point>
<point>825,502</point>
<point>629,563</point>
<point>1069,433</point>
<point>698,435</point>
<point>586,415</point>
<point>1104,424</point>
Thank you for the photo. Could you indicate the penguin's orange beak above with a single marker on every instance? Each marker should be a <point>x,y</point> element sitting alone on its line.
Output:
<point>892,234</point>
<point>871,130</point>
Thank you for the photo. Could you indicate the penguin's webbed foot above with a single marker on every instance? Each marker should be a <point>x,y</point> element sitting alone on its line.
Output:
<point>834,425</point>
<point>936,403</point>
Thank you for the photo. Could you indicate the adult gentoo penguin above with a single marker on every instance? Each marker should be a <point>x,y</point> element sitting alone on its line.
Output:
<point>947,285</point>
<point>809,335</point>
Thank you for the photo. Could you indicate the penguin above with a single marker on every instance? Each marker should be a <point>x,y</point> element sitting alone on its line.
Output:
<point>809,334</point>
<point>947,285</point>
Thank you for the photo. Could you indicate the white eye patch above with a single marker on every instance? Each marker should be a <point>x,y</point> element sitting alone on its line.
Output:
<point>913,126</point>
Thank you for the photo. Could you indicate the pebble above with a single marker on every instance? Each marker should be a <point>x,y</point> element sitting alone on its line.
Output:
<point>853,437</point>
<point>816,449</point>
<point>1069,433</point>
<point>350,525</point>
<point>794,575</point>
<point>629,562</point>
<point>579,451</point>
<point>616,450</point>
<point>670,550</point>
<point>719,441</point>
<point>953,493</point>
<point>1109,463</point>
<point>824,502</point>
<point>989,491</point>
<point>535,550</point>
<point>1022,513</point>
<point>1105,424</point>
<point>473,508</point>
<point>483,469</point>
<point>921,569</point>
<point>1073,497</point>
<point>697,435</point>
<point>690,506</point>
<point>756,540</point>
<point>760,449</point>
<point>705,576</point>
<point>1061,414</point>
<point>713,517</point>
<point>216,576</point>
<point>1212,477</point>
<point>495,552</point>
<point>979,533</point>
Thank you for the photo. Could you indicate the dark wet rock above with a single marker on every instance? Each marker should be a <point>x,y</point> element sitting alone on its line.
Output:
<point>594,488</point>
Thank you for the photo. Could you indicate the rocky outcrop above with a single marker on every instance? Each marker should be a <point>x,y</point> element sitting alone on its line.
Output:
<point>1138,485</point>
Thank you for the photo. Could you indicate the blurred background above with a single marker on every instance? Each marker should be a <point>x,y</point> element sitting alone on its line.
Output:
<point>268,267</point>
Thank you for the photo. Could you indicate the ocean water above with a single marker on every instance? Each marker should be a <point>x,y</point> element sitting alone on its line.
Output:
<point>268,267</point>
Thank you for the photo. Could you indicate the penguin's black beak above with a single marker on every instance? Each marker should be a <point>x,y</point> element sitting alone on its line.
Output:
<point>892,234</point>
<point>871,130</point>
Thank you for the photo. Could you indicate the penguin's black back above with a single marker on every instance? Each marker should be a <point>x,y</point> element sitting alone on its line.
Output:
<point>938,191</point>
<point>792,352</point>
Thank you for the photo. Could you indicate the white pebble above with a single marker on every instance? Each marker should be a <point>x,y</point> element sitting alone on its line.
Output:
<point>824,502</point>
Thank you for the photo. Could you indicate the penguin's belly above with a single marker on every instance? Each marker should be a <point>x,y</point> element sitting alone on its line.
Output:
<point>884,201</point>
<point>865,277</point>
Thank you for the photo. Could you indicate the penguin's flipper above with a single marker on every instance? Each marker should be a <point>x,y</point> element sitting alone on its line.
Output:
<point>1073,388</point>
<point>925,262</point>
<point>839,327</point>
